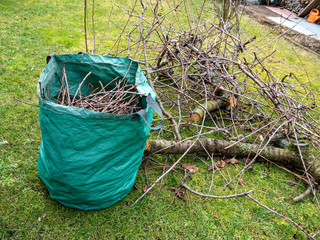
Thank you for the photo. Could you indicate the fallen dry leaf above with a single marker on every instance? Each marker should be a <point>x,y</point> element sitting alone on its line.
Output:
<point>231,160</point>
<point>145,188</point>
<point>240,181</point>
<point>221,163</point>
<point>190,167</point>
<point>217,215</point>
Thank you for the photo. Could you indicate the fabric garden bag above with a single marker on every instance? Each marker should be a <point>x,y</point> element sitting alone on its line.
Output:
<point>88,159</point>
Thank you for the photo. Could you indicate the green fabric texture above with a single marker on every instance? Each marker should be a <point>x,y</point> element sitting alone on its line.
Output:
<point>89,160</point>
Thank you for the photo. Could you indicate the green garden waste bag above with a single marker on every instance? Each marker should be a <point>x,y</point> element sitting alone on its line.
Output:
<point>88,159</point>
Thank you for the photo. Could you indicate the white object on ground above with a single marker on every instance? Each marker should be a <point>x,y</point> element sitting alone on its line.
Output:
<point>298,25</point>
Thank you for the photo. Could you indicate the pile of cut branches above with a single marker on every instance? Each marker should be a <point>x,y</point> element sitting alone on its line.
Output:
<point>205,69</point>
<point>216,90</point>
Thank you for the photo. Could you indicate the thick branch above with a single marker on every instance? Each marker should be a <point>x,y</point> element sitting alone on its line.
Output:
<point>303,195</point>
<point>226,148</point>
<point>209,106</point>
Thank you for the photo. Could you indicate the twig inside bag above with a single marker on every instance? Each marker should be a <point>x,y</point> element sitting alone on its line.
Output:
<point>121,99</point>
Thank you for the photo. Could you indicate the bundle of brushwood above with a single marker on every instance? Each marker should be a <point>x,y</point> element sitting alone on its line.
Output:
<point>219,91</point>
<point>120,99</point>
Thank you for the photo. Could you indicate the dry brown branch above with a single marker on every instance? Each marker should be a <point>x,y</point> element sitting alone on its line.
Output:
<point>303,195</point>
<point>287,157</point>
<point>31,104</point>
<point>209,106</point>
<point>85,24</point>
<point>93,31</point>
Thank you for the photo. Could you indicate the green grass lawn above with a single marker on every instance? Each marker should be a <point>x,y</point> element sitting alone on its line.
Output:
<point>29,31</point>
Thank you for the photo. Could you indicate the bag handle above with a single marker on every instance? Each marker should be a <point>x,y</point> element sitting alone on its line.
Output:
<point>52,54</point>
<point>154,105</point>
<point>49,57</point>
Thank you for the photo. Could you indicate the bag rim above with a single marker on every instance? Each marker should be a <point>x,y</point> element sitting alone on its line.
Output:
<point>97,59</point>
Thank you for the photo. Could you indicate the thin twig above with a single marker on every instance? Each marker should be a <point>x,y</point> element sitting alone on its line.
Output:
<point>280,215</point>
<point>15,98</point>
